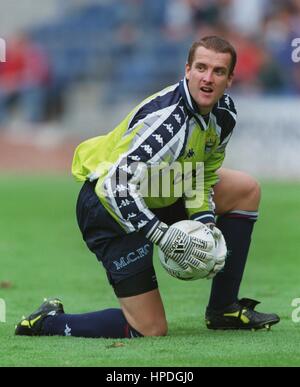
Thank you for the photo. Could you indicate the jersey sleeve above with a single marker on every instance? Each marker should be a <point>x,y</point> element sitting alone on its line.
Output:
<point>157,138</point>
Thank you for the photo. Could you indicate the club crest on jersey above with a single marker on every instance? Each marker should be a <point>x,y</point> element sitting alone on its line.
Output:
<point>209,145</point>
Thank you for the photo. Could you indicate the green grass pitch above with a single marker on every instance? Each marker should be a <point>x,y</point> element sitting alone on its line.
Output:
<point>42,254</point>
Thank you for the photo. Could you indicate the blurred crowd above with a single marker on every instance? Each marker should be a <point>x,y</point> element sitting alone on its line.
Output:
<point>135,47</point>
<point>262,32</point>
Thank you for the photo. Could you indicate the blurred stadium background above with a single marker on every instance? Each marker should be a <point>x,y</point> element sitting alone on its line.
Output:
<point>75,68</point>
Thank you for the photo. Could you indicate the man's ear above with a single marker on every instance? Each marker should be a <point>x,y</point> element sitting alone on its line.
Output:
<point>187,71</point>
<point>230,80</point>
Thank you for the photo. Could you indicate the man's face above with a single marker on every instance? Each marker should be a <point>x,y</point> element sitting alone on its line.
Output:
<point>208,77</point>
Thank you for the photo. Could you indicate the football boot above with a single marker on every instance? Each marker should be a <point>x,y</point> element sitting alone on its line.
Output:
<point>33,324</point>
<point>240,315</point>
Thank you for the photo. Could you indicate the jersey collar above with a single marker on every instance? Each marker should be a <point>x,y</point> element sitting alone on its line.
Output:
<point>191,104</point>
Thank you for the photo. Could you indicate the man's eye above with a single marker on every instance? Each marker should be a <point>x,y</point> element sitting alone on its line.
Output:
<point>220,72</point>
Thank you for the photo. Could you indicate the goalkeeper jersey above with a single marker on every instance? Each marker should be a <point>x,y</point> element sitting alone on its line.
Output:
<point>164,130</point>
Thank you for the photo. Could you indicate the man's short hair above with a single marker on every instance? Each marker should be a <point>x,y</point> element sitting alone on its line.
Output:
<point>216,44</point>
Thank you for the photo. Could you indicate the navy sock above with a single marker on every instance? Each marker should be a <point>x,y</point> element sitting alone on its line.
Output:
<point>108,323</point>
<point>237,227</point>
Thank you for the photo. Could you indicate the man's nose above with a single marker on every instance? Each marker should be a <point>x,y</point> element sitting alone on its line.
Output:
<point>208,76</point>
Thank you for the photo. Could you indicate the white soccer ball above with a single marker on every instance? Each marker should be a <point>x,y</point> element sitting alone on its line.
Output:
<point>198,230</point>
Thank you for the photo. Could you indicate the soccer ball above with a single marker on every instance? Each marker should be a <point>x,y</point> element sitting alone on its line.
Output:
<point>198,230</point>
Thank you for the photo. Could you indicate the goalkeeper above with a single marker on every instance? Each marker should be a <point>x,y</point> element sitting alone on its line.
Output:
<point>189,122</point>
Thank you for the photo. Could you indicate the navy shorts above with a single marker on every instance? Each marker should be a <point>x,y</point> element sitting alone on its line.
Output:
<point>127,258</point>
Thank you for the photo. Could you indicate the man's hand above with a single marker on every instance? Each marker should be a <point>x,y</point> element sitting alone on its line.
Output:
<point>184,249</point>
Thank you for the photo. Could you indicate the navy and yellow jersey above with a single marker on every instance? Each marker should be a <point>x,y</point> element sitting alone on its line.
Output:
<point>165,129</point>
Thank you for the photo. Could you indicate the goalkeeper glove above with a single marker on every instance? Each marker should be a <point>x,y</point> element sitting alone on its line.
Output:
<point>186,250</point>
<point>220,252</point>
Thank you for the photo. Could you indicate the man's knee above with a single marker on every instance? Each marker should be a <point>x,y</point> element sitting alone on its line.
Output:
<point>154,328</point>
<point>150,328</point>
<point>236,191</point>
<point>250,189</point>
<point>145,313</point>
